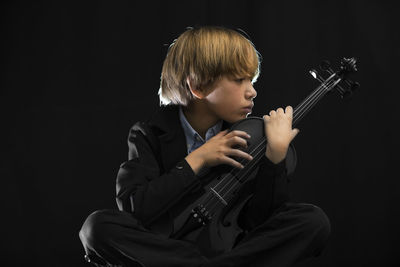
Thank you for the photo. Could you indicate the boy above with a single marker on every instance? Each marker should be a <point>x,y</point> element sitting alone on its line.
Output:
<point>206,85</point>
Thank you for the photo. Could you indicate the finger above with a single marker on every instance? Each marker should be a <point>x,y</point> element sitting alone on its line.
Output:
<point>238,133</point>
<point>240,154</point>
<point>289,111</point>
<point>236,140</point>
<point>232,162</point>
<point>223,132</point>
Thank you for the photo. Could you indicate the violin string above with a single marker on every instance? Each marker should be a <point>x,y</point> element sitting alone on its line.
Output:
<point>249,166</point>
<point>307,103</point>
<point>262,151</point>
<point>315,95</point>
<point>325,86</point>
<point>215,204</point>
<point>341,90</point>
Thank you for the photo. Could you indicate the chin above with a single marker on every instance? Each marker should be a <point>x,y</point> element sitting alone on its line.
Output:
<point>234,116</point>
<point>236,119</point>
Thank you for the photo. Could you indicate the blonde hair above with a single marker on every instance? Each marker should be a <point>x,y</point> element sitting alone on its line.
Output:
<point>204,55</point>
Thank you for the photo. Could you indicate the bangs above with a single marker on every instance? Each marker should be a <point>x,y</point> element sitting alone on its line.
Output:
<point>242,62</point>
<point>225,53</point>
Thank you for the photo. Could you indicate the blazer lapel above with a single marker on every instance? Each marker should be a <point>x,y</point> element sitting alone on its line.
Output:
<point>172,139</point>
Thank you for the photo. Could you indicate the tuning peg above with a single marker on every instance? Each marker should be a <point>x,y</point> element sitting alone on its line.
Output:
<point>325,65</point>
<point>351,87</point>
<point>314,73</point>
<point>346,94</point>
<point>349,64</point>
<point>354,86</point>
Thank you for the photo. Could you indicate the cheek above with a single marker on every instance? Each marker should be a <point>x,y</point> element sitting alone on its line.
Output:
<point>223,103</point>
<point>222,97</point>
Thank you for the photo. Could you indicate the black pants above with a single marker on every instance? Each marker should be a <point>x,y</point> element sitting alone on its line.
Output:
<point>292,233</point>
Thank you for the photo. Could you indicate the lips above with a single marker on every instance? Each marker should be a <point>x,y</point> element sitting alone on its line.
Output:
<point>249,107</point>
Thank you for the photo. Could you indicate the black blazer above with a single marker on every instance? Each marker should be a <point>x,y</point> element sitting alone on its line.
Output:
<point>156,183</point>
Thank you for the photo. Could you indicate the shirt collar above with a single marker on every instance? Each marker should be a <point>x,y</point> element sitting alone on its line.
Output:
<point>191,135</point>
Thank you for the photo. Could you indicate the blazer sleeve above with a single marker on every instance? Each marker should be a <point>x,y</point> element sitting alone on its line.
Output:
<point>140,187</point>
<point>271,189</point>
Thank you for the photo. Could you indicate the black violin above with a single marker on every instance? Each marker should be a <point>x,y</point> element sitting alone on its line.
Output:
<point>216,210</point>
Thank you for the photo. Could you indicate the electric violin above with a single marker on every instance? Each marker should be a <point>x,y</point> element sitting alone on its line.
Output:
<point>215,210</point>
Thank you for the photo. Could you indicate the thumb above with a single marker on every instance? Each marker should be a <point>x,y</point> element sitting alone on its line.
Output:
<point>295,132</point>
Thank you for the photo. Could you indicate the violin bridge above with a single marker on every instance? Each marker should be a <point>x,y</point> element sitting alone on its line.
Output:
<point>219,197</point>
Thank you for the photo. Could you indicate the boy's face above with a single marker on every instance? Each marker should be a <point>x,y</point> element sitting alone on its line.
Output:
<point>231,99</point>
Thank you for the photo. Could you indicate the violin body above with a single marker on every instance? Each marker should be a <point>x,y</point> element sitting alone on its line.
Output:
<point>220,234</point>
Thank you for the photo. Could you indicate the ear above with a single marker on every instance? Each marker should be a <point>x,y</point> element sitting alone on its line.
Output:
<point>194,90</point>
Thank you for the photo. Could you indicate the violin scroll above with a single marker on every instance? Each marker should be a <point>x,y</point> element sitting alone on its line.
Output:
<point>349,64</point>
<point>337,79</point>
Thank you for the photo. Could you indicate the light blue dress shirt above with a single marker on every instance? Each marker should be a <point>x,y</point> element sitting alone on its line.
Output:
<point>193,139</point>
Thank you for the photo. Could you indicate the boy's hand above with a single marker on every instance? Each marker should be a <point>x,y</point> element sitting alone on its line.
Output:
<point>218,150</point>
<point>279,133</point>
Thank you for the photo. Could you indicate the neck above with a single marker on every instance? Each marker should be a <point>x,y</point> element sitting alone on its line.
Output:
<point>199,117</point>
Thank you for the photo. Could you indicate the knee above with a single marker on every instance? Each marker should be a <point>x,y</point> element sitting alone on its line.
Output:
<point>96,229</point>
<point>316,225</point>
<point>316,219</point>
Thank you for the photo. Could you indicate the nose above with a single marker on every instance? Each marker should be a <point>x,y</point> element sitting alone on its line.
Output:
<point>251,93</point>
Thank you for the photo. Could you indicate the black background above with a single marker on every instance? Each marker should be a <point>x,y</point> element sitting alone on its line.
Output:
<point>77,75</point>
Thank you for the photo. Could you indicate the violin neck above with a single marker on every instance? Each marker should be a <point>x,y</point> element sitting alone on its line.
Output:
<point>307,104</point>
